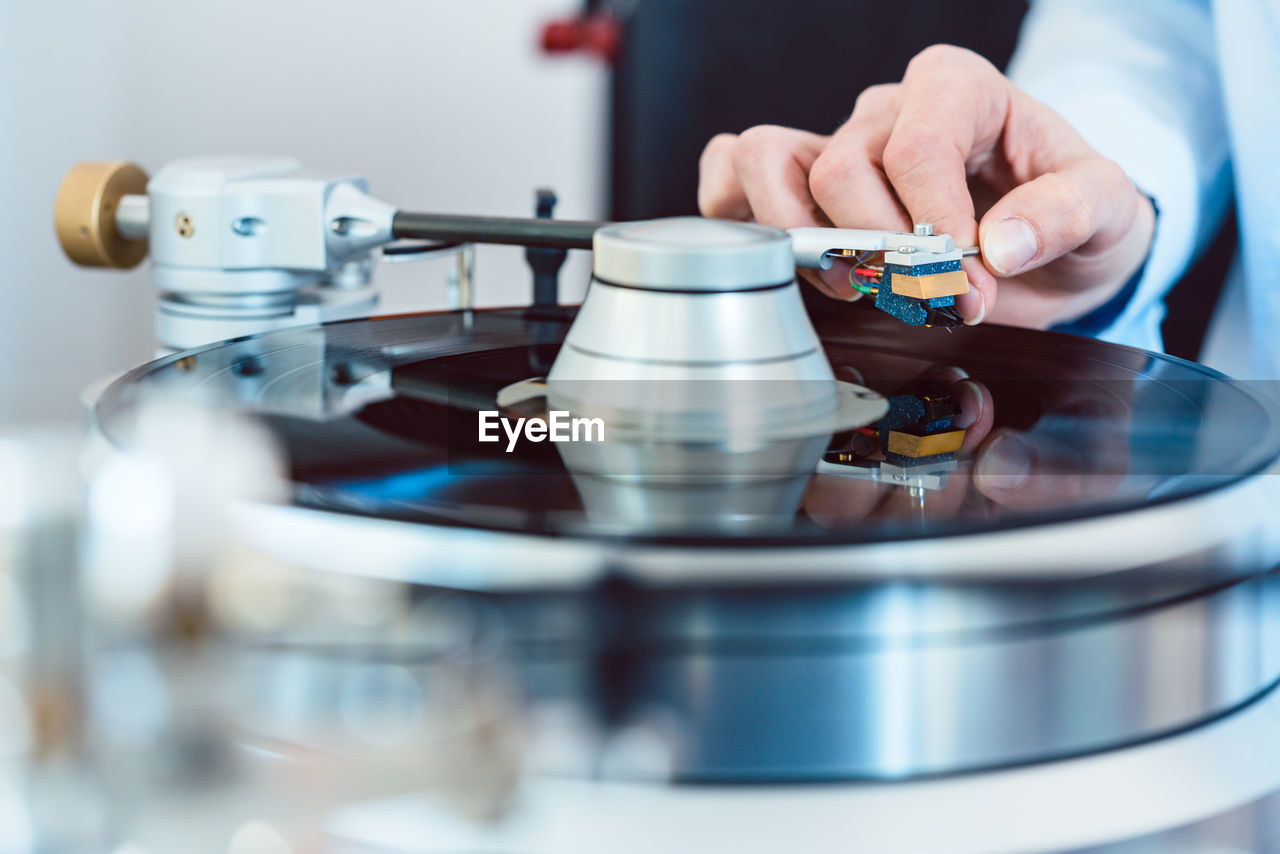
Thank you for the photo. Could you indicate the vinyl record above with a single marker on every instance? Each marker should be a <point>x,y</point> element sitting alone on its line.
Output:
<point>379,417</point>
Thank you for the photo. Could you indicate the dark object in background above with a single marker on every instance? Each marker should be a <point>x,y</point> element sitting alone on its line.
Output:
<point>689,70</point>
<point>1191,302</point>
<point>686,70</point>
<point>543,262</point>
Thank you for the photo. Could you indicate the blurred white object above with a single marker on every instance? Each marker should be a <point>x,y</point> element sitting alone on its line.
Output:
<point>254,695</point>
<point>164,501</point>
<point>48,800</point>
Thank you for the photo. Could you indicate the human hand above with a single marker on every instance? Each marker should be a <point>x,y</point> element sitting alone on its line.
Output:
<point>957,145</point>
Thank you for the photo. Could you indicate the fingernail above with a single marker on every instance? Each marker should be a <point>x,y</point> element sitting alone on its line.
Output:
<point>970,407</point>
<point>1010,245</point>
<point>950,374</point>
<point>1005,463</point>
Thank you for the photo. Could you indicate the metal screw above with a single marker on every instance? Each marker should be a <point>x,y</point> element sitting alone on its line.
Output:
<point>184,225</point>
<point>924,229</point>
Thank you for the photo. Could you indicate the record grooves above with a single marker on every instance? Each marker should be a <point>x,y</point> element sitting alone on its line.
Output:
<point>1106,428</point>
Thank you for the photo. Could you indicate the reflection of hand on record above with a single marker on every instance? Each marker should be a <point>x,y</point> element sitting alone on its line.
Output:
<point>1077,452</point>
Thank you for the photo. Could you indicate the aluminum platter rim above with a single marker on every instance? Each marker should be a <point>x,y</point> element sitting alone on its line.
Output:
<point>485,560</point>
<point>1163,796</point>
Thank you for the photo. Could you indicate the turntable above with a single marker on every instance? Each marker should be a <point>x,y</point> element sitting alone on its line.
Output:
<point>861,584</point>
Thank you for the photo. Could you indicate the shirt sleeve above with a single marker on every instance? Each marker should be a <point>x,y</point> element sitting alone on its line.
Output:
<point>1139,80</point>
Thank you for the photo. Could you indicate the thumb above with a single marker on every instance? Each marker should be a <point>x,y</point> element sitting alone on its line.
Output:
<point>1090,201</point>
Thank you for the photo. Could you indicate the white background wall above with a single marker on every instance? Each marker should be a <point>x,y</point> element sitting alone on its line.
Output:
<point>444,105</point>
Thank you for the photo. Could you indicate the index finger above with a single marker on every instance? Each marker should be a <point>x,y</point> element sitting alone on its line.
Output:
<point>954,105</point>
<point>954,108</point>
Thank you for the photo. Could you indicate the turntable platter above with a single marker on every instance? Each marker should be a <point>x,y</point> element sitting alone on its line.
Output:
<point>874,617</point>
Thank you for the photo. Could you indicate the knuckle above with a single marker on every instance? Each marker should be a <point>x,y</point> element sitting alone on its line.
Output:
<point>874,99</point>
<point>830,171</point>
<point>943,59</point>
<point>1075,217</point>
<point>1120,193</point>
<point>718,146</point>
<point>761,141</point>
<point>1113,176</point>
<point>904,154</point>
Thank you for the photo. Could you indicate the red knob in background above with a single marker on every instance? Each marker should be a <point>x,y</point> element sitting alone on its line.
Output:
<point>600,35</point>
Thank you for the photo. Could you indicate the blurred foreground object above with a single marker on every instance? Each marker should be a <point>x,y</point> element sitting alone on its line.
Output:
<point>164,687</point>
